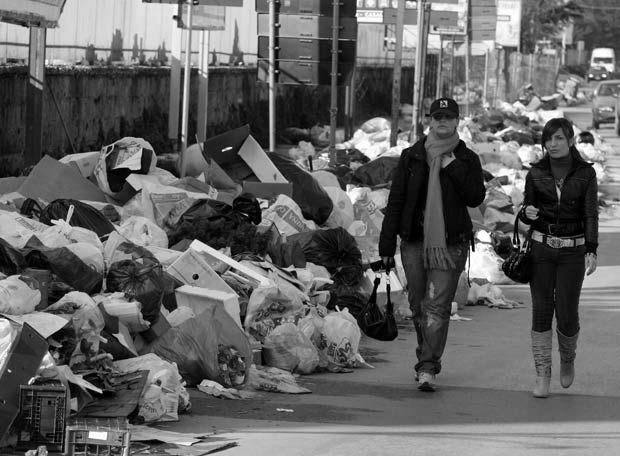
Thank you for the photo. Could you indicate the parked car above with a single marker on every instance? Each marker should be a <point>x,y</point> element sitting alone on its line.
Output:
<point>598,73</point>
<point>604,102</point>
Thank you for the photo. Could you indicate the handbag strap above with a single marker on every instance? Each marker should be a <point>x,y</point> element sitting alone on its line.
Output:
<point>516,240</point>
<point>389,307</point>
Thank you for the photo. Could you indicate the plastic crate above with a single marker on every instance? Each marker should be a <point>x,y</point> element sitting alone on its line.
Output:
<point>99,437</point>
<point>42,417</point>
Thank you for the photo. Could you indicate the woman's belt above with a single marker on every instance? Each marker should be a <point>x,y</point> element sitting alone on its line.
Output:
<point>558,242</point>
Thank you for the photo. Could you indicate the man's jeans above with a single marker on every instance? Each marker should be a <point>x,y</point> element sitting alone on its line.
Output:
<point>431,293</point>
<point>557,277</point>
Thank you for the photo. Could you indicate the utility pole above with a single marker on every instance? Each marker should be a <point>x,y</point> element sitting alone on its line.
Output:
<point>467,55</point>
<point>396,84</point>
<point>333,110</point>
<point>186,86</point>
<point>424,11</point>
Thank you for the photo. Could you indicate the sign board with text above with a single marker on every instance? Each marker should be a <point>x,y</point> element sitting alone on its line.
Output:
<point>37,13</point>
<point>508,33</point>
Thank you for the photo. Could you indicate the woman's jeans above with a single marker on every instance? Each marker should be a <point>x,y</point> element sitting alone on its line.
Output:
<point>557,277</point>
<point>430,294</point>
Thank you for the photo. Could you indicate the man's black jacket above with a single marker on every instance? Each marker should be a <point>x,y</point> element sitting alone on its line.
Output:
<point>462,185</point>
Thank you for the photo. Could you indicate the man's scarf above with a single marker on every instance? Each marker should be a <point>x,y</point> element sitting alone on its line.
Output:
<point>436,255</point>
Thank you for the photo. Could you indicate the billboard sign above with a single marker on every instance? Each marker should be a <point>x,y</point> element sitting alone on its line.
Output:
<point>37,13</point>
<point>508,32</point>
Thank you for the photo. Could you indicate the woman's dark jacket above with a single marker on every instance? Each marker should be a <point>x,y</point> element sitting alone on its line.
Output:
<point>577,210</point>
<point>462,185</point>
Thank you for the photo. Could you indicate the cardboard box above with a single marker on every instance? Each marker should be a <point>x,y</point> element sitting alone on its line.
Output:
<point>200,299</point>
<point>25,355</point>
<point>215,258</point>
<point>191,268</point>
<point>240,155</point>
<point>85,162</point>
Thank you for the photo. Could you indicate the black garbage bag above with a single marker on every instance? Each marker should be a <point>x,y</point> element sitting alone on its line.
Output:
<point>376,172</point>
<point>141,278</point>
<point>84,216</point>
<point>313,200</point>
<point>11,260</point>
<point>248,205</point>
<point>336,250</point>
<point>69,268</point>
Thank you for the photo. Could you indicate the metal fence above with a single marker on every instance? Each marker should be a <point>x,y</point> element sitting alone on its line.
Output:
<point>498,75</point>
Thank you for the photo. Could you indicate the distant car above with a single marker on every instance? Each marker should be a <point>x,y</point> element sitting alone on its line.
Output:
<point>604,102</point>
<point>597,74</point>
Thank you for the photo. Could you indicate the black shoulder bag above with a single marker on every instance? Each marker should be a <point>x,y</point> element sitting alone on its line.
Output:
<point>373,322</point>
<point>518,266</point>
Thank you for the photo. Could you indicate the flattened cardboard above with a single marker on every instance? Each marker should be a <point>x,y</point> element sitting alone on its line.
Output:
<point>268,190</point>
<point>10,184</point>
<point>51,180</point>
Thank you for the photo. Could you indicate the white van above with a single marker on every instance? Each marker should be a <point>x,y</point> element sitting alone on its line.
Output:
<point>603,57</point>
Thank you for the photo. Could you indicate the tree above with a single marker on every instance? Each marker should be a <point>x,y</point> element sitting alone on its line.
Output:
<point>544,19</point>
<point>599,25</point>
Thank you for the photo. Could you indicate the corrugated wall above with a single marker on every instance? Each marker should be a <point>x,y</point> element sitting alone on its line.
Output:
<point>140,26</point>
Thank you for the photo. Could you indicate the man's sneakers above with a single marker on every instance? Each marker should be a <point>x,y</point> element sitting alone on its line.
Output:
<point>426,382</point>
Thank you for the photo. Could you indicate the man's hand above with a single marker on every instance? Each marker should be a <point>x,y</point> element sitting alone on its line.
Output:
<point>388,262</point>
<point>531,212</point>
<point>590,263</point>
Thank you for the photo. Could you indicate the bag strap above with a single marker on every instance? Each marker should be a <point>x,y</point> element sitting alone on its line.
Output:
<point>516,240</point>
<point>389,308</point>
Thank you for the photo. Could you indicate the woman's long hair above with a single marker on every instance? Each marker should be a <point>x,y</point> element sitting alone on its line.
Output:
<point>566,126</point>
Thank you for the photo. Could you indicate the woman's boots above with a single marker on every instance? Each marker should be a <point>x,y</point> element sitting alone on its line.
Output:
<point>567,347</point>
<point>541,349</point>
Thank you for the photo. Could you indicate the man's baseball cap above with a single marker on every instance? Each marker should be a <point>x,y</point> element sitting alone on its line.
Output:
<point>445,105</point>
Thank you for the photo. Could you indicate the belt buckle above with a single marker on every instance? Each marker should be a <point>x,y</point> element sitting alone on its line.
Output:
<point>555,242</point>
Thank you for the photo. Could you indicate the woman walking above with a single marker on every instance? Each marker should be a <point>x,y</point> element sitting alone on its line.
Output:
<point>561,205</point>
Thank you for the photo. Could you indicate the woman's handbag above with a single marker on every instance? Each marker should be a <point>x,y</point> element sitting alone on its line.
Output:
<point>373,322</point>
<point>518,266</point>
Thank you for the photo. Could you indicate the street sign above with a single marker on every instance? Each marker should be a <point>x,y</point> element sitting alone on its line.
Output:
<point>204,17</point>
<point>483,23</point>
<point>438,18</point>
<point>483,11</point>
<point>307,7</point>
<point>36,13</point>
<point>290,26</point>
<point>201,2</point>
<point>483,3</point>
<point>307,49</point>
<point>482,35</point>
<point>304,73</point>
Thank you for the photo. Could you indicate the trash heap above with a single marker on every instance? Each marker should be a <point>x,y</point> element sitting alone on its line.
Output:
<point>122,284</point>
